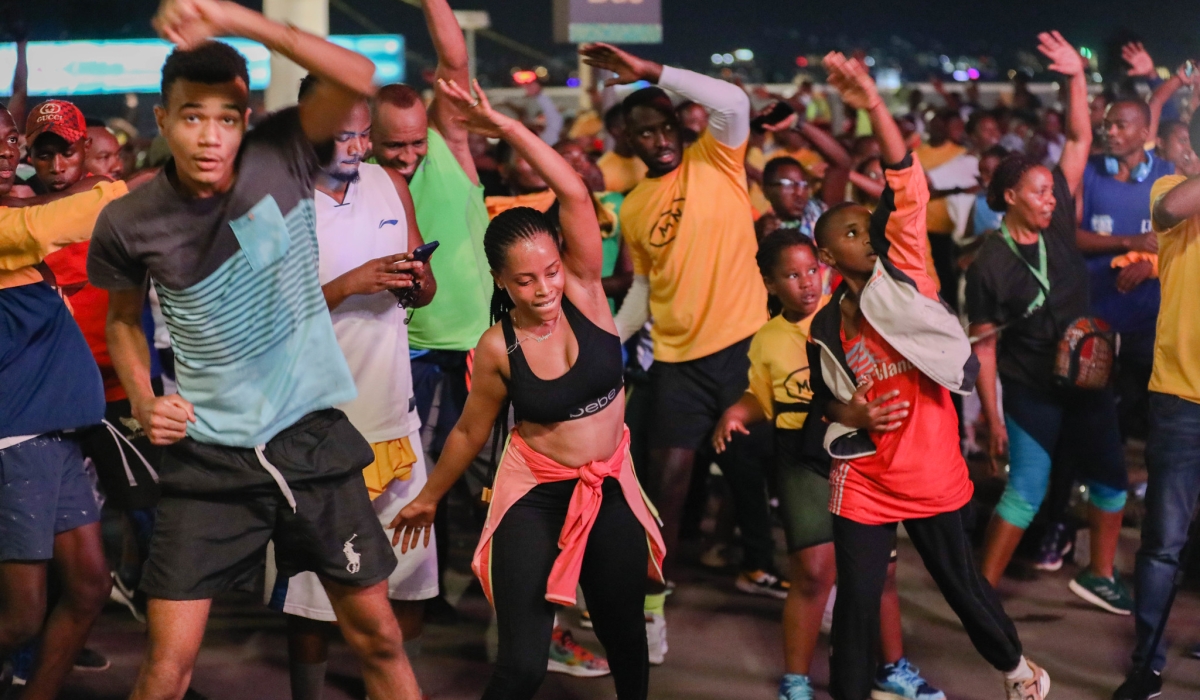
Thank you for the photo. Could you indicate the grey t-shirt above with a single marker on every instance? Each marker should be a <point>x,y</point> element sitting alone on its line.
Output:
<point>237,277</point>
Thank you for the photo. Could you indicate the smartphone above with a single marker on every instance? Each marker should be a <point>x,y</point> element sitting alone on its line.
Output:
<point>423,252</point>
<point>405,297</point>
<point>778,113</point>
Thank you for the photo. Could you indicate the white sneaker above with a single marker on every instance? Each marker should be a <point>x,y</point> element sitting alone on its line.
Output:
<point>656,637</point>
<point>1035,688</point>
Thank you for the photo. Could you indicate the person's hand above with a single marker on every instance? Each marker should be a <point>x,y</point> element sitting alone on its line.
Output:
<point>188,23</point>
<point>165,418</point>
<point>411,522</point>
<point>478,116</point>
<point>1131,276</point>
<point>629,68</point>
<point>389,272</point>
<point>851,79</point>
<point>883,415</point>
<point>1138,58</point>
<point>726,427</point>
<point>1064,58</point>
<point>997,446</point>
<point>1144,242</point>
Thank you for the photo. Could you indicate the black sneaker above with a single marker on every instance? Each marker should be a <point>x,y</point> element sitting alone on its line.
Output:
<point>91,660</point>
<point>1056,545</point>
<point>1140,685</point>
<point>762,583</point>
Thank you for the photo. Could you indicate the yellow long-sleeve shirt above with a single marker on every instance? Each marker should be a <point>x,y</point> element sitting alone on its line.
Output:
<point>29,234</point>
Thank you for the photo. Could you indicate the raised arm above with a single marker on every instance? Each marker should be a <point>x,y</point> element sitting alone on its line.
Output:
<point>20,86</point>
<point>1065,59</point>
<point>452,64</point>
<point>727,104</point>
<point>582,252</point>
<point>851,79</point>
<point>345,76</point>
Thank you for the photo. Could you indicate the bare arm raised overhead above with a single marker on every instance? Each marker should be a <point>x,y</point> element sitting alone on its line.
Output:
<point>582,252</point>
<point>452,65</point>
<point>345,76</point>
<point>1065,59</point>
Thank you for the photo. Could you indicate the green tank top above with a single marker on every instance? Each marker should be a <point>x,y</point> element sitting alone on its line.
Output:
<point>450,210</point>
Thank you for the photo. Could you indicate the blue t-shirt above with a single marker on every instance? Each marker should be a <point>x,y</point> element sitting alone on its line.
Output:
<point>1118,208</point>
<point>48,379</point>
<point>983,219</point>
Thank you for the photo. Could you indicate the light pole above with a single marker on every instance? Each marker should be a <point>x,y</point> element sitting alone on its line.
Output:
<point>309,15</point>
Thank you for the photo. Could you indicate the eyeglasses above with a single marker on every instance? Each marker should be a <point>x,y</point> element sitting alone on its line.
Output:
<point>787,185</point>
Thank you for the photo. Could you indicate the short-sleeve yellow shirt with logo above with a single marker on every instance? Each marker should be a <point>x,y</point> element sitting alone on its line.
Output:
<point>779,371</point>
<point>691,232</point>
<point>1177,341</point>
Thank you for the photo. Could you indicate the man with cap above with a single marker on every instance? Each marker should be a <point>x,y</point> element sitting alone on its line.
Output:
<point>58,141</point>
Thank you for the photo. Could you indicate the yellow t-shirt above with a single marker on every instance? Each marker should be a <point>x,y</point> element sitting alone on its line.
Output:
<point>692,233</point>
<point>394,460</point>
<point>937,213</point>
<point>621,174</point>
<point>1177,343</point>
<point>779,370</point>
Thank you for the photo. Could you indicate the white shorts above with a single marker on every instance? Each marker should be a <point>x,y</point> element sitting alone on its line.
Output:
<point>415,577</point>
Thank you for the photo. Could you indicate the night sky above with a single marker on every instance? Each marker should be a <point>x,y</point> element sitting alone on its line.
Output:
<point>777,30</point>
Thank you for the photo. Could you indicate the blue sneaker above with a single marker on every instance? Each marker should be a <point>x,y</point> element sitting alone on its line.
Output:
<point>795,687</point>
<point>903,681</point>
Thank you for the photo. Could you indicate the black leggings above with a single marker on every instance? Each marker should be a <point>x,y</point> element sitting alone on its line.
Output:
<point>613,578</point>
<point>862,561</point>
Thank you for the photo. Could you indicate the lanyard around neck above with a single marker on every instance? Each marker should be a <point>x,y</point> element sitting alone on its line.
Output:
<point>1039,272</point>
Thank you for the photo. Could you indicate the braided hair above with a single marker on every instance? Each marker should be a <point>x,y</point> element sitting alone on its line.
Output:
<point>508,228</point>
<point>516,224</point>
<point>770,249</point>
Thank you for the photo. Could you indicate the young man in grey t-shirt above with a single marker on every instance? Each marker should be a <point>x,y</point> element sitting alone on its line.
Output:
<point>255,451</point>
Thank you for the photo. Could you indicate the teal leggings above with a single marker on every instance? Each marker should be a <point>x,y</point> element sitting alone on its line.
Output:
<point>1045,427</point>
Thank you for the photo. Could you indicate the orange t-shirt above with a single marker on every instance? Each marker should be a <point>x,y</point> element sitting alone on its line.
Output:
<point>498,204</point>
<point>916,471</point>
<point>691,232</point>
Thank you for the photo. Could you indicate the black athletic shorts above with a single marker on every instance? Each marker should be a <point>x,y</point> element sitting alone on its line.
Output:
<point>120,452</point>
<point>690,396</point>
<point>207,541</point>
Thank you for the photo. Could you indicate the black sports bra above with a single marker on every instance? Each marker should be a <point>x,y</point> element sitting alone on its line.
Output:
<point>589,386</point>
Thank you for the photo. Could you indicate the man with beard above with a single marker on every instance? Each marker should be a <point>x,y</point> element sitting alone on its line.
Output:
<point>366,232</point>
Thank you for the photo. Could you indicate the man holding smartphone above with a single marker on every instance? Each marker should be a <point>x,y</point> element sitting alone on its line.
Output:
<point>366,235</point>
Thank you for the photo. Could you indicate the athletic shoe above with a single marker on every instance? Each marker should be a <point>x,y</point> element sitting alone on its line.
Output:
<point>762,583</point>
<point>1035,688</point>
<point>1105,593</point>
<point>91,660</point>
<point>585,619</point>
<point>795,687</point>
<point>668,587</point>
<point>656,637</point>
<point>1056,545</point>
<point>903,681</point>
<point>124,595</point>
<point>567,656</point>
<point>1140,685</point>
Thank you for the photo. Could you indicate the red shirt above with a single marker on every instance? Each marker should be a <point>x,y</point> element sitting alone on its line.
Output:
<point>916,471</point>
<point>89,305</point>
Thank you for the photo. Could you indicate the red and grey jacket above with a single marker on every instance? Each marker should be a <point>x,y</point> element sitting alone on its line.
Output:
<point>901,302</point>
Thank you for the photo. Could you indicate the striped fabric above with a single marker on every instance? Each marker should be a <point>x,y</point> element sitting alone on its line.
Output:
<point>254,348</point>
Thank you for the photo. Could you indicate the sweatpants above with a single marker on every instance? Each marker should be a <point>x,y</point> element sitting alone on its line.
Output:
<point>613,579</point>
<point>862,561</point>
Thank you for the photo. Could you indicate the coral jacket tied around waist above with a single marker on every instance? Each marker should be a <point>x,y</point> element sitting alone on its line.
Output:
<point>522,468</point>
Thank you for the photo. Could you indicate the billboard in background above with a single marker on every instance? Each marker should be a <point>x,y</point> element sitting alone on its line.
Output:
<point>616,21</point>
<point>103,67</point>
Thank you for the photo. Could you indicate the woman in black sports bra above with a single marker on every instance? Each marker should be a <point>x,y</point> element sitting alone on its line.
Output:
<point>566,507</point>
